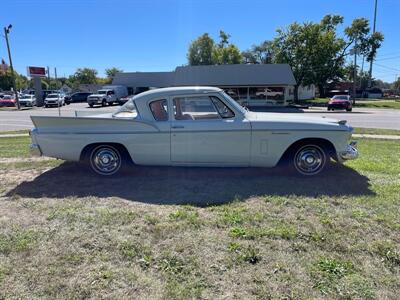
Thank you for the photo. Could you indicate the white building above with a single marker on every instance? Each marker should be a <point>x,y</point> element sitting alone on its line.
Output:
<point>249,84</point>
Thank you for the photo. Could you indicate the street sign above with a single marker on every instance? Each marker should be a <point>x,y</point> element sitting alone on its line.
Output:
<point>36,72</point>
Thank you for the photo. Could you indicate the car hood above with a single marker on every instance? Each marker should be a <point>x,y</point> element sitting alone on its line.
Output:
<point>294,122</point>
<point>338,101</point>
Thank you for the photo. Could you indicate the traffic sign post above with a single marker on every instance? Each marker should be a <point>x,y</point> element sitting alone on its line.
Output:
<point>36,73</point>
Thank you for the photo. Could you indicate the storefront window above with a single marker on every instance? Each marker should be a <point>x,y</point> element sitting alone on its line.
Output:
<point>263,95</point>
<point>232,92</point>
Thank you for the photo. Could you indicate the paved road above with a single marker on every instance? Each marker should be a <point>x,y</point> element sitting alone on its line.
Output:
<point>360,117</point>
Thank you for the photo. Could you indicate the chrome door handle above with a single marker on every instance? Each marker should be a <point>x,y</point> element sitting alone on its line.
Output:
<point>177,127</point>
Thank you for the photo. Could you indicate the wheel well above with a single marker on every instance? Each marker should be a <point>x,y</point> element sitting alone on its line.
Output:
<point>325,144</point>
<point>124,152</point>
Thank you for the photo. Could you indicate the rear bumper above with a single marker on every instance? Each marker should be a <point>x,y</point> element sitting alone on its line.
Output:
<point>350,152</point>
<point>34,150</point>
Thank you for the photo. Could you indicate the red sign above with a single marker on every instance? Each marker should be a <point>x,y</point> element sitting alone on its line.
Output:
<point>36,71</point>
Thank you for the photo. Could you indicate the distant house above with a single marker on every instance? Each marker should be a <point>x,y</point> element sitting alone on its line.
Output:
<point>249,84</point>
<point>90,88</point>
<point>66,89</point>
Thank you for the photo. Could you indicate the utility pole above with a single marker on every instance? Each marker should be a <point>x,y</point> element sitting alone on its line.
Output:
<point>362,71</point>
<point>355,72</point>
<point>55,76</point>
<point>6,32</point>
<point>371,62</point>
<point>48,75</point>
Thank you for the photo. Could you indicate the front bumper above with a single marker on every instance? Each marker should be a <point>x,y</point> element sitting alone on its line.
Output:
<point>27,104</point>
<point>351,152</point>
<point>94,101</point>
<point>34,150</point>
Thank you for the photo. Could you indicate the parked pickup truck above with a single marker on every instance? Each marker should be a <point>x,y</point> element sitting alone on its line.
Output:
<point>108,95</point>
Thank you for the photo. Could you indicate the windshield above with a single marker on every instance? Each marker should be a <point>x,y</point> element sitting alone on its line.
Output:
<point>26,97</point>
<point>234,103</point>
<point>102,92</point>
<point>340,97</point>
<point>52,96</point>
<point>128,110</point>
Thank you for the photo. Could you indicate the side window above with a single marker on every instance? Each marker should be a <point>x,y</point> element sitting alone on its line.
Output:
<point>159,109</point>
<point>224,111</point>
<point>194,108</point>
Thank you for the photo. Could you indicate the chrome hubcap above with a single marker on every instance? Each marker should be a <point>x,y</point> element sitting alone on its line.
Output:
<point>309,160</point>
<point>106,160</point>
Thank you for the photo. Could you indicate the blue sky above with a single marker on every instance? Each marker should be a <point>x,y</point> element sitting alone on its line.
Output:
<point>154,35</point>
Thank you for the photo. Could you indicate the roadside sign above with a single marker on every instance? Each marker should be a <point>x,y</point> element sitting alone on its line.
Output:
<point>36,71</point>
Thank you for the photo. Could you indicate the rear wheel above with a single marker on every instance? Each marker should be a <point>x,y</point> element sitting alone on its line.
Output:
<point>105,160</point>
<point>91,105</point>
<point>110,103</point>
<point>348,109</point>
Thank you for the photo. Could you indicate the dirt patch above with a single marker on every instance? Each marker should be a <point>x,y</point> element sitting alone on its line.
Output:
<point>6,160</point>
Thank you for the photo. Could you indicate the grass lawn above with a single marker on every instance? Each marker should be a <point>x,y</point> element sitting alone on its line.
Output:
<point>23,131</point>
<point>359,103</point>
<point>377,131</point>
<point>179,233</point>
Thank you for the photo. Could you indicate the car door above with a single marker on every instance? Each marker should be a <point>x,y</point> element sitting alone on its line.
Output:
<point>205,130</point>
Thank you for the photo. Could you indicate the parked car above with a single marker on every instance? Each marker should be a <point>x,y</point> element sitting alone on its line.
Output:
<point>8,100</point>
<point>54,100</point>
<point>340,102</point>
<point>108,95</point>
<point>27,100</point>
<point>77,97</point>
<point>169,127</point>
<point>123,100</point>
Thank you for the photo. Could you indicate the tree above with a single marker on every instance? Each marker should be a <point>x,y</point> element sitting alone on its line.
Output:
<point>85,76</point>
<point>204,51</point>
<point>259,54</point>
<point>6,81</point>
<point>111,73</point>
<point>315,52</point>
<point>201,51</point>
<point>294,46</point>
<point>396,84</point>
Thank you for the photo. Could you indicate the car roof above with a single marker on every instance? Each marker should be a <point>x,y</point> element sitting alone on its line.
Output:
<point>178,91</point>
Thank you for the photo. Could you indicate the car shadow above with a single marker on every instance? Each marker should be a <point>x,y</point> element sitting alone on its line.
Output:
<point>195,186</point>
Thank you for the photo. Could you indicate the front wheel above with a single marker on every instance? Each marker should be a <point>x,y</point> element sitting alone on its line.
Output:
<point>105,160</point>
<point>309,160</point>
<point>104,102</point>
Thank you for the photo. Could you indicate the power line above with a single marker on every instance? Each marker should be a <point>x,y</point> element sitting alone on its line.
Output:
<point>388,58</point>
<point>386,67</point>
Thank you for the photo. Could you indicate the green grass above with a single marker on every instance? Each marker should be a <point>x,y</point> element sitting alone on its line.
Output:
<point>377,131</point>
<point>23,131</point>
<point>65,234</point>
<point>14,147</point>
<point>379,104</point>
